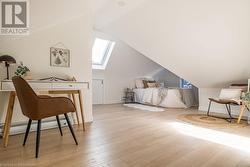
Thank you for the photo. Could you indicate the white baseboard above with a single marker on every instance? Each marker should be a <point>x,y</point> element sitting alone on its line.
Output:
<point>21,128</point>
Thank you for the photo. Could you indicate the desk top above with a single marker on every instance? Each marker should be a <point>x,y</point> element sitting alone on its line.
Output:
<point>49,91</point>
<point>43,81</point>
<point>7,85</point>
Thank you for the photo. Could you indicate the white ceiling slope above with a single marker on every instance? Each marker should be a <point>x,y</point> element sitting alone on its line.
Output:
<point>45,14</point>
<point>204,41</point>
<point>106,11</point>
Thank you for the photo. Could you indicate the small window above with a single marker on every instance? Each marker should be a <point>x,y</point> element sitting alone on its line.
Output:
<point>185,84</point>
<point>101,52</point>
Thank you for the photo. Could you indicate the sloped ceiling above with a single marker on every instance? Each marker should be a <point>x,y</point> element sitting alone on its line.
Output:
<point>48,13</point>
<point>204,41</point>
<point>106,11</point>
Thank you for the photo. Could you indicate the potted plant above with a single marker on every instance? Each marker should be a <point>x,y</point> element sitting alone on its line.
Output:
<point>246,98</point>
<point>23,71</point>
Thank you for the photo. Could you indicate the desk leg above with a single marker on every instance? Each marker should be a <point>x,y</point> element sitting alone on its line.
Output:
<point>8,118</point>
<point>242,109</point>
<point>74,100</point>
<point>81,108</point>
<point>5,122</point>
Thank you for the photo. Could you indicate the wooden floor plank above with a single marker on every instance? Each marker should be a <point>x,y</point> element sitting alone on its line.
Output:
<point>125,137</point>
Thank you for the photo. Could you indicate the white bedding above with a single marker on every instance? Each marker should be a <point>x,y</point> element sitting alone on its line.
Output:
<point>165,97</point>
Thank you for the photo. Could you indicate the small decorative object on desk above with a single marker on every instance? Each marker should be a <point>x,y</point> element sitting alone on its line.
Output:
<point>23,71</point>
<point>129,96</point>
<point>7,60</point>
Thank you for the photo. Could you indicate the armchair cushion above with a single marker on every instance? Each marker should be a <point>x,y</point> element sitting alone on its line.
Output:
<point>230,94</point>
<point>224,101</point>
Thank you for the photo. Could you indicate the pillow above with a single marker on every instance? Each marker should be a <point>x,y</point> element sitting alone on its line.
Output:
<point>152,85</point>
<point>159,85</point>
<point>230,94</point>
<point>145,82</point>
<point>139,83</point>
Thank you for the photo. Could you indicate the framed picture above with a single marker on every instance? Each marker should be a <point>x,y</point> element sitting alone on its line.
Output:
<point>59,57</point>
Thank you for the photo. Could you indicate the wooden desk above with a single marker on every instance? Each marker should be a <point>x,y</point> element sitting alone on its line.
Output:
<point>43,87</point>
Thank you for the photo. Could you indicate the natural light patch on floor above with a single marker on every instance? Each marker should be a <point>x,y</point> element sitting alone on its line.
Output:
<point>230,140</point>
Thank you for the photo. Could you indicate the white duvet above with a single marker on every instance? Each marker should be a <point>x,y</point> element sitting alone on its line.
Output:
<point>164,97</point>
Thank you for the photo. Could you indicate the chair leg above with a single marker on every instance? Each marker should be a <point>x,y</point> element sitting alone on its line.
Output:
<point>209,107</point>
<point>59,125</point>
<point>70,127</point>
<point>229,107</point>
<point>38,137</point>
<point>229,112</point>
<point>242,110</point>
<point>27,132</point>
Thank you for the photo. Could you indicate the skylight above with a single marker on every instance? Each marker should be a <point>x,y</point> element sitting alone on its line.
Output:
<point>101,52</point>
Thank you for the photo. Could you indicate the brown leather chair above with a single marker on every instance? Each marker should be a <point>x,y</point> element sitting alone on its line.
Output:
<point>39,107</point>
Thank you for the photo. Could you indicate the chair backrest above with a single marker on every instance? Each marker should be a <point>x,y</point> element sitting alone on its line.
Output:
<point>27,97</point>
<point>229,94</point>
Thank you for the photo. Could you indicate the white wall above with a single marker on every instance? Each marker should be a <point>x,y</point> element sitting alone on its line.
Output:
<point>124,66</point>
<point>206,42</point>
<point>201,41</point>
<point>72,26</point>
<point>168,78</point>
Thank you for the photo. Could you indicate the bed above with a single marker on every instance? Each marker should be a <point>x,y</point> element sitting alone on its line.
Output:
<point>165,97</point>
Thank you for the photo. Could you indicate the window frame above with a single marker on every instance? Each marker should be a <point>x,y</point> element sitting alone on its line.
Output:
<point>105,58</point>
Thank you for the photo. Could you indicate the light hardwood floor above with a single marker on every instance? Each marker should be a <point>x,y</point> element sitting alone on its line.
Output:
<point>125,137</point>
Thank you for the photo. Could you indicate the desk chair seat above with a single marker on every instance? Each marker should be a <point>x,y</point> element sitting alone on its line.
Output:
<point>228,97</point>
<point>38,107</point>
